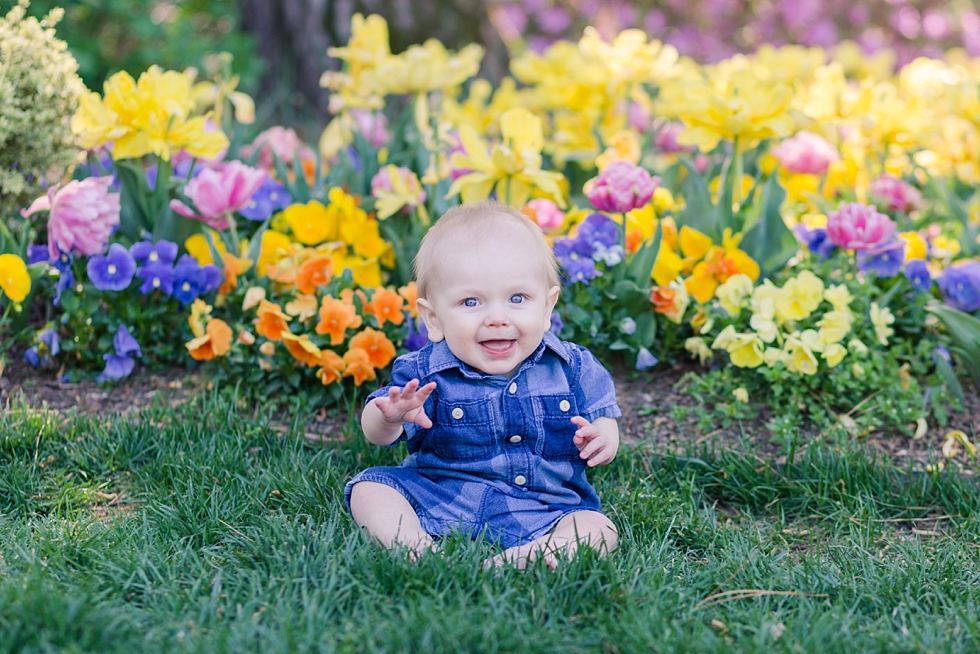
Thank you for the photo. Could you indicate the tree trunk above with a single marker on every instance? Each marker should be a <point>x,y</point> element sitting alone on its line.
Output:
<point>293,37</point>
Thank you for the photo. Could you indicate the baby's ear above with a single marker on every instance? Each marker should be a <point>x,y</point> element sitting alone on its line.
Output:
<point>552,300</point>
<point>429,318</point>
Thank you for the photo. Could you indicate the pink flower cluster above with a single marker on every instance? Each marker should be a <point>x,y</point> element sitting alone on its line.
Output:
<point>372,125</point>
<point>857,226</point>
<point>82,216</point>
<point>806,153</point>
<point>545,213</point>
<point>894,194</point>
<point>621,187</point>
<point>281,140</point>
<point>216,193</point>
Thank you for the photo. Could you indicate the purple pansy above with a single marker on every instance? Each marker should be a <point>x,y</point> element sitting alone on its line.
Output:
<point>191,280</point>
<point>556,323</point>
<point>65,278</point>
<point>156,276</point>
<point>37,254</point>
<point>418,334</point>
<point>114,271</point>
<point>32,357</point>
<point>645,359</point>
<point>49,337</point>
<point>815,240</point>
<point>885,259</point>
<point>150,253</point>
<point>268,199</point>
<point>917,272</point>
<point>940,352</point>
<point>49,346</point>
<point>579,268</point>
<point>960,285</point>
<point>120,364</point>
<point>599,228</point>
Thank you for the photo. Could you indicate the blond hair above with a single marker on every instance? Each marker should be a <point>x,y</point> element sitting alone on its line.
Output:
<point>482,221</point>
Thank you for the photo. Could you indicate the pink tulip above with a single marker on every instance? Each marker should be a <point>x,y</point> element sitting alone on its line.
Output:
<point>545,212</point>
<point>372,125</point>
<point>856,226</point>
<point>622,186</point>
<point>666,138</point>
<point>894,194</point>
<point>217,193</point>
<point>82,216</point>
<point>806,154</point>
<point>281,140</point>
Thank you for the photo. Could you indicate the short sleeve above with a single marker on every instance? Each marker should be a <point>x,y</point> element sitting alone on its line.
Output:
<point>404,370</point>
<point>596,387</point>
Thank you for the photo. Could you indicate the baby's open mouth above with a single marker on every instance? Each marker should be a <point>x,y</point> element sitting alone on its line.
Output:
<point>497,346</point>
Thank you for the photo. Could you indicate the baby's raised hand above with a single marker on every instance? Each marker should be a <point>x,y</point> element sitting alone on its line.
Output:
<point>595,446</point>
<point>406,404</point>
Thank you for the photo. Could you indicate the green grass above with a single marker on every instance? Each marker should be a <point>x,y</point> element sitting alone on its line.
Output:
<point>226,536</point>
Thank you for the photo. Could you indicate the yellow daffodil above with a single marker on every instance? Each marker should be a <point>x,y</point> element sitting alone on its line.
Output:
<point>426,67</point>
<point>732,105</point>
<point>629,59</point>
<point>881,318</point>
<point>512,168</point>
<point>399,188</point>
<point>15,281</point>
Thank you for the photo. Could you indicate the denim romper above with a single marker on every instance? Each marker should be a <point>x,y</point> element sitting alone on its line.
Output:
<point>499,460</point>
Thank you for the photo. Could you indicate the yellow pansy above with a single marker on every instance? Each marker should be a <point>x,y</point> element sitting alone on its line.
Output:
<point>801,349</point>
<point>733,292</point>
<point>833,354</point>
<point>197,247</point>
<point>15,281</point>
<point>275,245</point>
<point>763,319</point>
<point>697,347</point>
<point>311,223</point>
<point>839,296</point>
<point>693,243</point>
<point>745,350</point>
<point>881,318</point>
<point>799,297</point>
<point>835,325</point>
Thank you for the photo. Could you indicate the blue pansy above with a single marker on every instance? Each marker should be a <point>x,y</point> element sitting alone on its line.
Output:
<point>150,253</point>
<point>960,285</point>
<point>120,364</point>
<point>556,323</point>
<point>645,359</point>
<point>917,272</point>
<point>268,199</point>
<point>418,335</point>
<point>886,259</point>
<point>190,280</point>
<point>114,271</point>
<point>816,241</point>
<point>37,254</point>
<point>599,228</point>
<point>65,278</point>
<point>156,276</point>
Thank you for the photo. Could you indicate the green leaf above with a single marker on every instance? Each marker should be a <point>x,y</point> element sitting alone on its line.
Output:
<point>213,247</point>
<point>640,267</point>
<point>699,212</point>
<point>949,378</point>
<point>646,329</point>
<point>769,241</point>
<point>255,245</point>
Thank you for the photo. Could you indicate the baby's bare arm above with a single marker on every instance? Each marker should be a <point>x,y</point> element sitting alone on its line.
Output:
<point>381,420</point>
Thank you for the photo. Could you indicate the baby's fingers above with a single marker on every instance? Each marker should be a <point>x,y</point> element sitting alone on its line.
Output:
<point>592,449</point>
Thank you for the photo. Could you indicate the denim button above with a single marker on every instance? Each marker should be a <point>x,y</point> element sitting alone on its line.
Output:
<point>515,439</point>
<point>513,388</point>
<point>520,480</point>
<point>564,405</point>
<point>457,413</point>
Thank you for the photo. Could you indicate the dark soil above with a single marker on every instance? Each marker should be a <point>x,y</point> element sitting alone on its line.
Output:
<point>647,402</point>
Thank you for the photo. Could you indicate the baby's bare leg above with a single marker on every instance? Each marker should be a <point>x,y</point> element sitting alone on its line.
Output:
<point>575,529</point>
<point>388,516</point>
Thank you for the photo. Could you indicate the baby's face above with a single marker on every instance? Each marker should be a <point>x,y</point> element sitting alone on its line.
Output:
<point>490,301</point>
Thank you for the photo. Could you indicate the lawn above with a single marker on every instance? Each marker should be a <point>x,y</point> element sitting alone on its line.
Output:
<point>203,528</point>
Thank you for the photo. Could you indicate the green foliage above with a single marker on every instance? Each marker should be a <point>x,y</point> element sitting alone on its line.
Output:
<point>206,528</point>
<point>106,36</point>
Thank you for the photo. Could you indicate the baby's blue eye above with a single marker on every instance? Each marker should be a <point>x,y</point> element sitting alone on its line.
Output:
<point>516,298</point>
<point>469,302</point>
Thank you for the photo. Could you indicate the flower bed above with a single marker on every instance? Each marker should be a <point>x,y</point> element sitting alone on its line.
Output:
<point>808,231</point>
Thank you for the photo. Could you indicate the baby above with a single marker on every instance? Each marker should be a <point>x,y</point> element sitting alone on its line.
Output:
<point>501,417</point>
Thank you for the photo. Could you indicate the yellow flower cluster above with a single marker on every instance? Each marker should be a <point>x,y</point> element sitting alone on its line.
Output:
<point>154,115</point>
<point>792,325</point>
<point>706,264</point>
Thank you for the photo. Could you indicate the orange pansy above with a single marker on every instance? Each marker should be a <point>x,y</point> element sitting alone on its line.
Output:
<point>347,295</point>
<point>358,365</point>
<point>332,367</point>
<point>215,343</point>
<point>386,305</point>
<point>410,292</point>
<point>314,272</point>
<point>379,349</point>
<point>336,317</point>
<point>302,349</point>
<point>272,322</point>
<point>303,307</point>
<point>234,267</point>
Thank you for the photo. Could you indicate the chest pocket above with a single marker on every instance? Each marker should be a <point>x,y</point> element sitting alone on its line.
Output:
<point>556,433</point>
<point>462,430</point>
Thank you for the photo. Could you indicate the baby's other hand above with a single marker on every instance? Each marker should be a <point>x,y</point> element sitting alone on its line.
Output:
<point>406,404</point>
<point>595,446</point>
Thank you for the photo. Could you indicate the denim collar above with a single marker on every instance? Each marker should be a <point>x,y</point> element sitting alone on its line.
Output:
<point>441,357</point>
